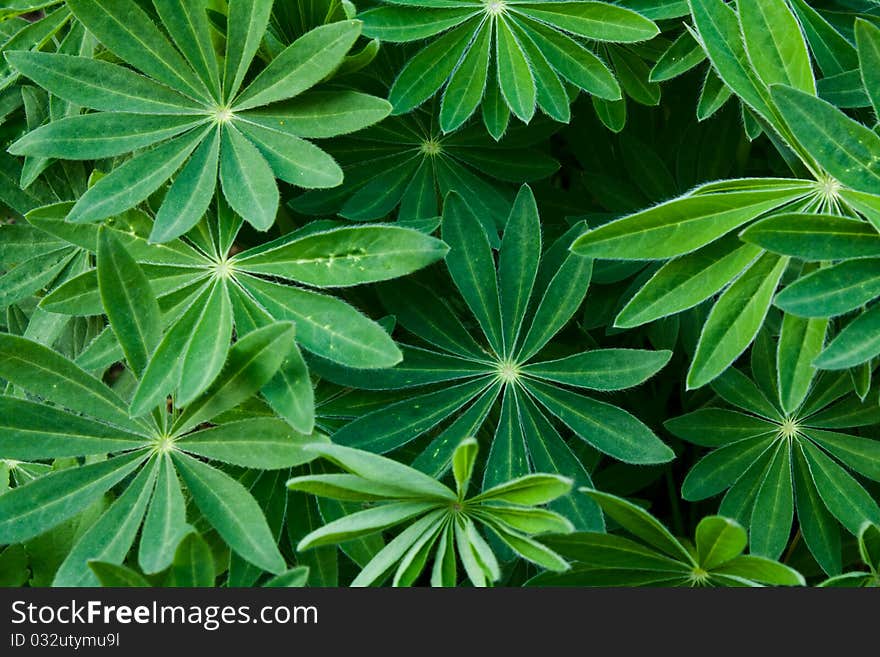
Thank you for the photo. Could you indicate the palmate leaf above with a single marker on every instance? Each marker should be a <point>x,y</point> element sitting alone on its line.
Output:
<point>776,462</point>
<point>199,123</point>
<point>436,516</point>
<point>152,447</point>
<point>534,44</point>
<point>659,558</point>
<point>417,165</point>
<point>503,373</point>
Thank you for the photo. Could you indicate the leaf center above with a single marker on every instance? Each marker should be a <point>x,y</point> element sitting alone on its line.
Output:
<point>431,147</point>
<point>508,371</point>
<point>789,428</point>
<point>495,7</point>
<point>222,114</point>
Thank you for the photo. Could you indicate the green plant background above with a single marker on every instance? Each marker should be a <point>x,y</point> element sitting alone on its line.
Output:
<point>439,293</point>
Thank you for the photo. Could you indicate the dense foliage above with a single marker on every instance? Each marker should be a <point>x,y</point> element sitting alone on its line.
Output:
<point>439,292</point>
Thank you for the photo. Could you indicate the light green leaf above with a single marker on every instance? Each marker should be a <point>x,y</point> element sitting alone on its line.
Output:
<point>232,511</point>
<point>246,26</point>
<point>304,63</point>
<point>100,85</point>
<point>247,179</point>
<point>28,511</point>
<point>165,524</point>
<point>735,319</point>
<point>251,363</point>
<point>346,256</point>
<point>608,428</point>
<point>327,326</point>
<point>128,302</point>
<point>775,45</point>
<point>718,541</point>
<point>263,443</point>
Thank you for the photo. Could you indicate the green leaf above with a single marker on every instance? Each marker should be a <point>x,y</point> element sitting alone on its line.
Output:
<point>165,524</point>
<point>381,469</point>
<point>292,159</point>
<point>869,545</point>
<point>761,570</point>
<point>202,358</point>
<point>608,428</point>
<point>815,236</point>
<point>641,524</point>
<point>162,374</point>
<point>364,523</point>
<point>426,72</point>
<point>602,369</point>
<point>594,20</point>
<point>36,507</point>
<point>467,83</point>
<point>327,326</point>
<point>263,443</point>
<point>130,34</point>
<point>111,537</point>
<point>115,575</point>
<point>722,468</point>
<point>247,180</point>
<point>187,24</point>
<point>304,63</point>
<point>719,28</point>
<point>684,282</point>
<point>774,507</point>
<point>101,134</point>
<point>844,148</point>
<point>515,77</point>
<point>775,45</point>
<point>573,61</point>
<point>833,290</point>
<point>563,295</point>
<point>134,181</point>
<point>518,261</point>
<point>346,256</point>
<point>833,52</point>
<point>800,342</point>
<point>472,266</point>
<point>717,427</point>
<point>530,490</point>
<point>320,113</point>
<point>99,85</point>
<point>463,460</point>
<point>30,431</point>
<point>735,319</point>
<point>682,225</point>
<point>530,549</point>
<point>868,44</point>
<point>508,458</point>
<point>251,363</point>
<point>681,56</point>
<point>128,301</point>
<point>190,194</point>
<point>293,578</point>
<point>718,541</point>
<point>48,374</point>
<point>398,24</point>
<point>246,27</point>
<point>858,342</point>
<point>232,511</point>
<point>736,388</point>
<point>844,496</point>
<point>859,453</point>
<point>397,549</point>
<point>818,527</point>
<point>193,564</point>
